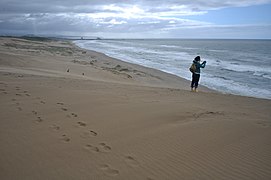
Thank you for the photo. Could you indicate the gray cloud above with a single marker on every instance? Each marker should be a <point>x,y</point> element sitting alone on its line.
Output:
<point>87,6</point>
<point>106,17</point>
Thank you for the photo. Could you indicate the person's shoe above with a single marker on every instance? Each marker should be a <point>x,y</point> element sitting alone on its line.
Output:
<point>192,90</point>
<point>196,90</point>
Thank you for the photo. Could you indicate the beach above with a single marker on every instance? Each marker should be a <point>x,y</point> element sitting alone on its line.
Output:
<point>71,113</point>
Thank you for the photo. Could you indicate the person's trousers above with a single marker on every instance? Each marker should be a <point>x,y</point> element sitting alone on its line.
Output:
<point>195,80</point>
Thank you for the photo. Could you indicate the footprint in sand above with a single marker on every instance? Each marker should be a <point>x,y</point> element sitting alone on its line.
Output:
<point>81,124</point>
<point>3,83</point>
<point>89,133</point>
<point>18,106</point>
<point>42,102</point>
<point>39,119</point>
<point>104,147</point>
<point>108,170</point>
<point>74,115</point>
<point>55,127</point>
<point>65,138</point>
<point>3,91</point>
<point>93,133</point>
<point>92,148</point>
<point>207,113</point>
<point>64,109</point>
<point>26,93</point>
<point>131,161</point>
<point>264,124</point>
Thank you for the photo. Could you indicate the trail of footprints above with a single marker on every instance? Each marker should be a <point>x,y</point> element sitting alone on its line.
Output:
<point>94,148</point>
<point>101,147</point>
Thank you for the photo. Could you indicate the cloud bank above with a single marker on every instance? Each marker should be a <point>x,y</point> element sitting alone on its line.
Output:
<point>113,18</point>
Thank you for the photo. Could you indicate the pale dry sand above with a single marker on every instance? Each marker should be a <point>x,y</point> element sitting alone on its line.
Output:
<point>106,119</point>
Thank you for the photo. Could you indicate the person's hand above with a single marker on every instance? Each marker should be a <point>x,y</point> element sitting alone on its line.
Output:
<point>204,62</point>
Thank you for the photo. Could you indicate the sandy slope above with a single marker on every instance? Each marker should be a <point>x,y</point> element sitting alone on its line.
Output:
<point>120,121</point>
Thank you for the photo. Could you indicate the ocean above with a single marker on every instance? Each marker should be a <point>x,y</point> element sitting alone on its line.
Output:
<point>240,67</point>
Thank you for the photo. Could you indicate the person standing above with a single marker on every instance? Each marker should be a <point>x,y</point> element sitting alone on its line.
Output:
<point>196,73</point>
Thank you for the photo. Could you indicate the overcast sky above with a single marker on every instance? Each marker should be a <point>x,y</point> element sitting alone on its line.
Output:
<point>138,18</point>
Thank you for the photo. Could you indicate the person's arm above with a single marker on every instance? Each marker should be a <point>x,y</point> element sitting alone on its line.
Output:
<point>203,64</point>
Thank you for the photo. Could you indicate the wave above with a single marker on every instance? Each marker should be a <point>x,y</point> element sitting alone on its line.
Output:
<point>262,74</point>
<point>216,50</point>
<point>232,87</point>
<point>239,67</point>
<point>168,46</point>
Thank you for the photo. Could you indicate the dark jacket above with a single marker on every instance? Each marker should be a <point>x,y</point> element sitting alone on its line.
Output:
<point>198,66</point>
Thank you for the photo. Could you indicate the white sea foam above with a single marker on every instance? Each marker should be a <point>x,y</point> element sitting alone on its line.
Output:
<point>168,46</point>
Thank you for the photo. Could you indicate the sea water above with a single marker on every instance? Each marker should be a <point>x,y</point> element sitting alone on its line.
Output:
<point>241,67</point>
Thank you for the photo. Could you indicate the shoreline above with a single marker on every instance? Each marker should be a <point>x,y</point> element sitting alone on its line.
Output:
<point>202,88</point>
<point>69,113</point>
<point>151,70</point>
<point>220,83</point>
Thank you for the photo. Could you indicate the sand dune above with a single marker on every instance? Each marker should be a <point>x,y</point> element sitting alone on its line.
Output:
<point>107,119</point>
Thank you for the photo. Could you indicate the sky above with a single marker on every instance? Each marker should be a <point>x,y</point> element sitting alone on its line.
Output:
<point>219,19</point>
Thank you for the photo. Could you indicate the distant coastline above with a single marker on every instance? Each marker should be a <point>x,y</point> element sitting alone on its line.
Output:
<point>102,38</point>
